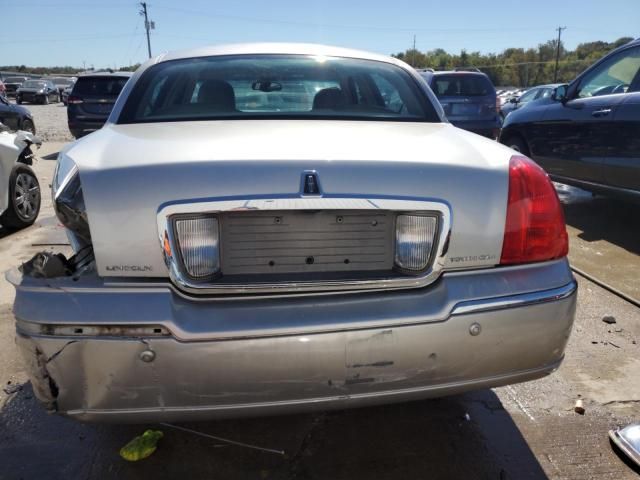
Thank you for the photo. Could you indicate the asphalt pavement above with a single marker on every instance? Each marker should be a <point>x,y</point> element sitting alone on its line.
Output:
<point>524,431</point>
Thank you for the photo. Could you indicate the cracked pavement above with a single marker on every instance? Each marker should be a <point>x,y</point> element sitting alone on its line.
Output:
<point>524,431</point>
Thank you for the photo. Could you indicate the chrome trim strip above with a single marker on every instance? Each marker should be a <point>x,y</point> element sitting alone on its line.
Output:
<point>515,301</point>
<point>294,202</point>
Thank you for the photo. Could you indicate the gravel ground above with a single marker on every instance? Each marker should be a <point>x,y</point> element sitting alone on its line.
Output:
<point>51,122</point>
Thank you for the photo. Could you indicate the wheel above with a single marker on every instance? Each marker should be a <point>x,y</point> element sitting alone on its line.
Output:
<point>28,126</point>
<point>19,100</point>
<point>45,100</point>
<point>24,198</point>
<point>518,144</point>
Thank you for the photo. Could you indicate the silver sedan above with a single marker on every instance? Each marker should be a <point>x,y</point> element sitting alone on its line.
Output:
<point>271,228</point>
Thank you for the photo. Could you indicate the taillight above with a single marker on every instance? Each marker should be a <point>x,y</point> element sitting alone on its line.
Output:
<point>74,100</point>
<point>535,229</point>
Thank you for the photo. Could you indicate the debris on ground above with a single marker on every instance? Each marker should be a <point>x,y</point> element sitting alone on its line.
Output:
<point>220,439</point>
<point>579,407</point>
<point>609,319</point>
<point>46,265</point>
<point>142,446</point>
<point>627,439</point>
<point>11,388</point>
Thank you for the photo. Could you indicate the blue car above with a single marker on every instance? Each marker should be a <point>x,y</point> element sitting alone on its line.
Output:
<point>468,99</point>
<point>587,134</point>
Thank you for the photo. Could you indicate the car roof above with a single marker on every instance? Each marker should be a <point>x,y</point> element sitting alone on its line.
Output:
<point>458,72</point>
<point>275,49</point>
<point>105,74</point>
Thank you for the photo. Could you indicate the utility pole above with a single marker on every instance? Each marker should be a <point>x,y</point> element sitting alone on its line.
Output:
<point>148,24</point>
<point>555,73</point>
<point>413,62</point>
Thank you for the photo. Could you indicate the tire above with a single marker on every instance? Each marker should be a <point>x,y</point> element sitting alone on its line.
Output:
<point>24,198</point>
<point>28,126</point>
<point>518,144</point>
<point>45,100</point>
<point>19,100</point>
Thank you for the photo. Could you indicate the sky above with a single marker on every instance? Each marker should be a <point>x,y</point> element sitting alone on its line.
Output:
<point>103,33</point>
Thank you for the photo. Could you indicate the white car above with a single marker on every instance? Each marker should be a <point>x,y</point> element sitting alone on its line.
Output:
<point>270,228</point>
<point>19,187</point>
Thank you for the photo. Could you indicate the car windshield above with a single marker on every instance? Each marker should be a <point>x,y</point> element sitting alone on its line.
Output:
<point>100,86</point>
<point>276,86</point>
<point>461,85</point>
<point>14,80</point>
<point>34,84</point>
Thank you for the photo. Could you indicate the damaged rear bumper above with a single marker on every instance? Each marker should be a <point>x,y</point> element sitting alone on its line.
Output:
<point>143,353</point>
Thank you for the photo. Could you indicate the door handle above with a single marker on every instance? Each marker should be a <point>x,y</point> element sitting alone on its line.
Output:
<point>601,113</point>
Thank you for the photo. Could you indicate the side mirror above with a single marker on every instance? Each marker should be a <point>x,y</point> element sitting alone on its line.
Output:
<point>513,100</point>
<point>560,93</point>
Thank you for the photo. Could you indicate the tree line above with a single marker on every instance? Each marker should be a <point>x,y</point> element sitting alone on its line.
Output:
<point>517,67</point>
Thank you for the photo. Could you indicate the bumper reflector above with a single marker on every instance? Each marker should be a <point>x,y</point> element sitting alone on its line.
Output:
<point>198,240</point>
<point>414,241</point>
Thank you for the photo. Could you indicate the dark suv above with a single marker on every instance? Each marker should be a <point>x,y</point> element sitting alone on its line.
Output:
<point>468,99</point>
<point>92,99</point>
<point>588,135</point>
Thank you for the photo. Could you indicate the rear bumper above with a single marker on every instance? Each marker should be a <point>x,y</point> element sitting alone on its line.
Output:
<point>230,358</point>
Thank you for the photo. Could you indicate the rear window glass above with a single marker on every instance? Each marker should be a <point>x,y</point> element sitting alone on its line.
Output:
<point>275,86</point>
<point>14,79</point>
<point>100,86</point>
<point>457,85</point>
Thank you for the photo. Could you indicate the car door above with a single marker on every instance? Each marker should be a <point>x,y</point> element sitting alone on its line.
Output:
<point>580,131</point>
<point>8,114</point>
<point>622,165</point>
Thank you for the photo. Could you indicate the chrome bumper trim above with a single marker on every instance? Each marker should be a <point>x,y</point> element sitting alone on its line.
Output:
<point>520,300</point>
<point>182,281</point>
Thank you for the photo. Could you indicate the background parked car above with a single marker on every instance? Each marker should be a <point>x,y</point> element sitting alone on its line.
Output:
<point>531,95</point>
<point>92,99</point>
<point>16,117</point>
<point>468,99</point>
<point>37,91</point>
<point>3,89</point>
<point>19,188</point>
<point>588,137</point>
<point>62,83</point>
<point>65,94</point>
<point>12,84</point>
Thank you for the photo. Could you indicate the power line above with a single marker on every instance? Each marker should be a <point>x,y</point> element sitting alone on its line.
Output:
<point>200,13</point>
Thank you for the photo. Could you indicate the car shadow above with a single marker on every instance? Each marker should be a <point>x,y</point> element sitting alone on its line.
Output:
<point>602,218</point>
<point>465,436</point>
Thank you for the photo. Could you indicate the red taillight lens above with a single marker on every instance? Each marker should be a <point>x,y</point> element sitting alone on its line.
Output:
<point>74,100</point>
<point>535,229</point>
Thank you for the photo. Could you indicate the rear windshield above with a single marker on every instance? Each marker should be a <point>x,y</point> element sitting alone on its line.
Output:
<point>460,85</point>
<point>275,86</point>
<point>100,86</point>
<point>14,79</point>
